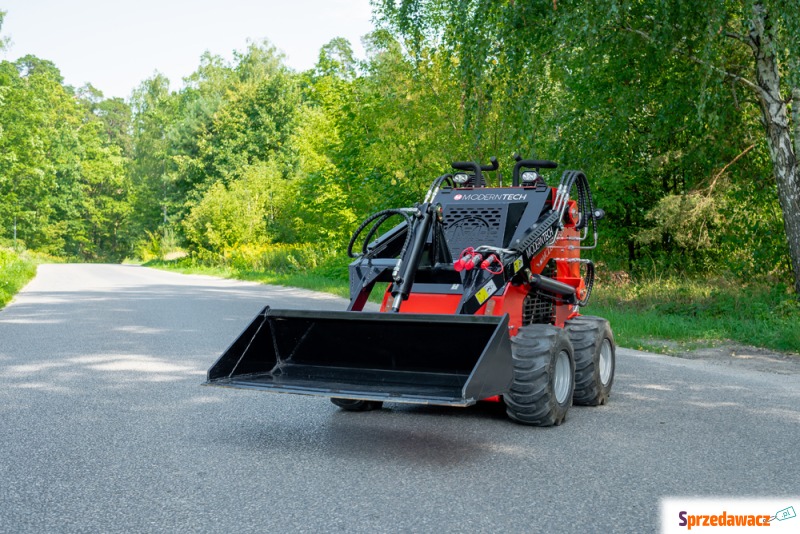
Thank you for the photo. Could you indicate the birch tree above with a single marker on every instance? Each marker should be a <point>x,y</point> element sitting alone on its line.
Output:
<point>753,46</point>
<point>770,32</point>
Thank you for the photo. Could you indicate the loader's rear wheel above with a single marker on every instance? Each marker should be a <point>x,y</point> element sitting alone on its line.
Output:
<point>595,359</point>
<point>352,405</point>
<point>544,376</point>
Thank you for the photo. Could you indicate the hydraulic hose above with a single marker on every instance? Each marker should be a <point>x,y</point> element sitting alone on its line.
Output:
<point>589,283</point>
<point>586,210</point>
<point>380,217</point>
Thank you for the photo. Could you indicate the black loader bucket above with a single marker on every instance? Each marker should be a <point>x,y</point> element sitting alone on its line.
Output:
<point>452,360</point>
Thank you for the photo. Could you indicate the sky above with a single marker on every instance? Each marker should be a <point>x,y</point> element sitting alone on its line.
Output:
<point>116,45</point>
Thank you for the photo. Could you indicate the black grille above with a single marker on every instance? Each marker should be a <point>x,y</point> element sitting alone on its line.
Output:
<point>491,216</point>
<point>473,226</point>
<point>537,310</point>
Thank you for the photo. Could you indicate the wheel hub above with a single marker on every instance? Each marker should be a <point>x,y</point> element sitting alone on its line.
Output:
<point>605,362</point>
<point>562,379</point>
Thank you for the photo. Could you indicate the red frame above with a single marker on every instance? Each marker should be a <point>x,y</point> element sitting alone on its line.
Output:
<point>511,301</point>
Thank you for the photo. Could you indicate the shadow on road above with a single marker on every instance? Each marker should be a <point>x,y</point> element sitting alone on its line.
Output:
<point>57,341</point>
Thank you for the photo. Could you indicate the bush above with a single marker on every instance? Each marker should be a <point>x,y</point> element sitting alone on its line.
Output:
<point>157,246</point>
<point>274,258</point>
<point>15,271</point>
<point>277,257</point>
<point>241,213</point>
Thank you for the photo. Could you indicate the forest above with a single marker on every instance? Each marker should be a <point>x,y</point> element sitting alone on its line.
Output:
<point>684,115</point>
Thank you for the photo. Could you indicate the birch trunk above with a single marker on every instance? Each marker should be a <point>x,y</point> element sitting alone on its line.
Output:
<point>796,119</point>
<point>779,135</point>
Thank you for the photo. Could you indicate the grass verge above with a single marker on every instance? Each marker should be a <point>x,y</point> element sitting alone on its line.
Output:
<point>676,315</point>
<point>16,270</point>
<point>660,315</point>
<point>306,280</point>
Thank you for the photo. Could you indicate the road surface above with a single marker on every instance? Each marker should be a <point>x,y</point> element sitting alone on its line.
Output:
<point>105,428</point>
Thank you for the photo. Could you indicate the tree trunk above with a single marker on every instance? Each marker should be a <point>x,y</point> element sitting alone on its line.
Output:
<point>796,119</point>
<point>779,135</point>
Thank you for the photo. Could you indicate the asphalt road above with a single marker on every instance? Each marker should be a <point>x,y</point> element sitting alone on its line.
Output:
<point>104,427</point>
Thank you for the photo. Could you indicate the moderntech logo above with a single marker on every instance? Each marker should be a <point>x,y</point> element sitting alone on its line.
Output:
<point>729,515</point>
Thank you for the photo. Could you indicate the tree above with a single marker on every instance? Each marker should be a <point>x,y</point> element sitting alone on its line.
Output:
<point>336,59</point>
<point>694,54</point>
<point>223,141</point>
<point>63,184</point>
<point>3,40</point>
<point>116,117</point>
<point>36,118</point>
<point>153,172</point>
<point>197,103</point>
<point>394,122</point>
<point>254,122</point>
<point>713,34</point>
<point>239,214</point>
<point>102,207</point>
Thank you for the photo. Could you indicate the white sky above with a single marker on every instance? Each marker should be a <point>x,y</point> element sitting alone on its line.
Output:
<point>115,45</point>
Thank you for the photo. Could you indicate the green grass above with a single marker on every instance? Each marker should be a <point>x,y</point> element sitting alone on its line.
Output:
<point>662,315</point>
<point>306,280</point>
<point>671,315</point>
<point>16,270</point>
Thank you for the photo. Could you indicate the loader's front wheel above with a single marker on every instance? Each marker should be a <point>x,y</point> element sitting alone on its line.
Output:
<point>595,359</point>
<point>352,405</point>
<point>544,376</point>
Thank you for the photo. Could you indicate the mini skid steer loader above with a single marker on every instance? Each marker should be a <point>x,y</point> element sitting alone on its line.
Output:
<point>484,290</point>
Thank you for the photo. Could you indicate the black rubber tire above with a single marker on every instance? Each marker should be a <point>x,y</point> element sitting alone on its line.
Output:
<point>532,399</point>
<point>352,405</point>
<point>588,335</point>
